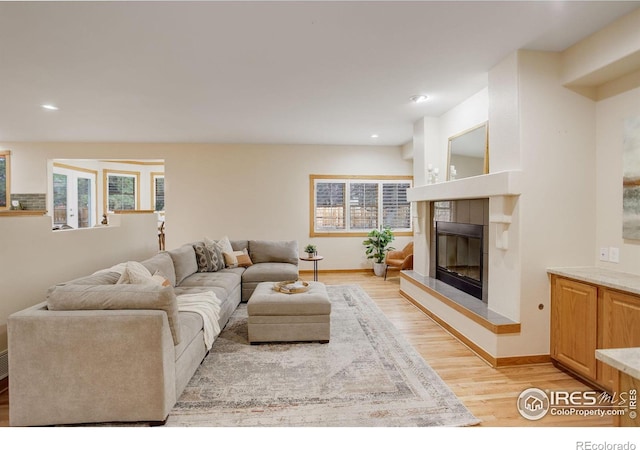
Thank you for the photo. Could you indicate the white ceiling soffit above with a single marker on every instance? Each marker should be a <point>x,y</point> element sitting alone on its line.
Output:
<point>261,72</point>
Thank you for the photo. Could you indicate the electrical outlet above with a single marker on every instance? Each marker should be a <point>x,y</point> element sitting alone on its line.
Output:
<point>604,254</point>
<point>614,254</point>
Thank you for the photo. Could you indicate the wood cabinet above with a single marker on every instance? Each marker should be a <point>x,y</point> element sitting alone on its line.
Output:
<point>586,316</point>
<point>574,319</point>
<point>619,327</point>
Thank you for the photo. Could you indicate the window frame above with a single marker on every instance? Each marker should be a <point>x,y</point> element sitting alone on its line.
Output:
<point>6,154</point>
<point>349,179</point>
<point>105,188</point>
<point>154,177</point>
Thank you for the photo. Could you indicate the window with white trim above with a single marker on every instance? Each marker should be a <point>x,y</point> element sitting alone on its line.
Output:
<point>122,192</point>
<point>355,205</point>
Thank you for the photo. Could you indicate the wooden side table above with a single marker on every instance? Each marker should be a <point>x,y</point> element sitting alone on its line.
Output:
<point>315,260</point>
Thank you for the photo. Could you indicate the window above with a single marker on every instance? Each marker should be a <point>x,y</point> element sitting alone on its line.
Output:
<point>352,205</point>
<point>157,191</point>
<point>122,191</point>
<point>5,179</point>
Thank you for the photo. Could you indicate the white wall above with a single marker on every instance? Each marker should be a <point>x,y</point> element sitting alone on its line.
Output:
<point>556,208</point>
<point>611,114</point>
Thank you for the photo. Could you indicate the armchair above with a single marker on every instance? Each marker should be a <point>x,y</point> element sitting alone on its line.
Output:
<point>399,259</point>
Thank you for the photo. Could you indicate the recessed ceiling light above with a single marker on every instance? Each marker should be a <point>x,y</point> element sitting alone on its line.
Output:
<point>50,107</point>
<point>374,136</point>
<point>418,98</point>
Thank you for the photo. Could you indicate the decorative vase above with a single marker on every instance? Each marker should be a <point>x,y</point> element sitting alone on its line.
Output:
<point>378,269</point>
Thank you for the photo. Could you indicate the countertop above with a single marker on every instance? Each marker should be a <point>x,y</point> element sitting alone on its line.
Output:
<point>626,360</point>
<point>603,277</point>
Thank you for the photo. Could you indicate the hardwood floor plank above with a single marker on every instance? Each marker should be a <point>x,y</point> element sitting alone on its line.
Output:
<point>489,393</point>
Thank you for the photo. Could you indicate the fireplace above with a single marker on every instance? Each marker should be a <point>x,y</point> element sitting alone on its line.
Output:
<point>459,257</point>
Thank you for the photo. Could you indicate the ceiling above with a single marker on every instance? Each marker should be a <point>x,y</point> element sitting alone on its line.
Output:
<point>261,72</point>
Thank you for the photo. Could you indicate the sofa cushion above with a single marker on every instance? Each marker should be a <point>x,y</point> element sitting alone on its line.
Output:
<point>191,324</point>
<point>184,262</point>
<point>270,272</point>
<point>162,263</point>
<point>225,280</point>
<point>100,277</point>
<point>274,251</point>
<point>118,296</point>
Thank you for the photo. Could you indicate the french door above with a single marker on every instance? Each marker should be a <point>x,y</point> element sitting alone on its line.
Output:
<point>74,197</point>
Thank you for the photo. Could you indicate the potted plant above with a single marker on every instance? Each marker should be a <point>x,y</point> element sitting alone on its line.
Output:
<point>376,247</point>
<point>311,250</point>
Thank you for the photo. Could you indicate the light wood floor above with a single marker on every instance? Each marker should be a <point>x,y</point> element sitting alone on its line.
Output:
<point>490,394</point>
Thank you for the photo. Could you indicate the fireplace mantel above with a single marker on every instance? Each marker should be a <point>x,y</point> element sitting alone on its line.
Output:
<point>496,184</point>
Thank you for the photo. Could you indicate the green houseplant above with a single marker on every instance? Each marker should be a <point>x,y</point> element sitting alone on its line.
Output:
<point>311,250</point>
<point>376,247</point>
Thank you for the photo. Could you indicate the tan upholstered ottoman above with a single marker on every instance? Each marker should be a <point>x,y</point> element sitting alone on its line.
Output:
<point>278,317</point>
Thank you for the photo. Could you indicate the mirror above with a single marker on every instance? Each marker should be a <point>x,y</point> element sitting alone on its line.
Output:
<point>469,153</point>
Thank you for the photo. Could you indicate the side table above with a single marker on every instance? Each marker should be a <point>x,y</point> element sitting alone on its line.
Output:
<point>315,260</point>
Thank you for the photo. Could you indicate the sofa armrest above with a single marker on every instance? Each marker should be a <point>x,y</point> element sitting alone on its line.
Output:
<point>71,367</point>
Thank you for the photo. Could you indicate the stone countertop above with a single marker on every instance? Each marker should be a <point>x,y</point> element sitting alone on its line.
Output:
<point>622,281</point>
<point>626,360</point>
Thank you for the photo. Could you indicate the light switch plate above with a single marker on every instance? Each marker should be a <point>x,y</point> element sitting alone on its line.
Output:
<point>614,254</point>
<point>604,254</point>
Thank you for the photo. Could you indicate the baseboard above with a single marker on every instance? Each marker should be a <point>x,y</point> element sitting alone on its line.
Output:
<point>338,271</point>
<point>482,354</point>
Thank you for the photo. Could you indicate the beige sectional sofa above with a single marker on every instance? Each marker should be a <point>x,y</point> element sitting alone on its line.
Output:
<point>97,351</point>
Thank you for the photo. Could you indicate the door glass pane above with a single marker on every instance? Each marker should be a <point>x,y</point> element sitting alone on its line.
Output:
<point>84,203</point>
<point>59,199</point>
<point>3,182</point>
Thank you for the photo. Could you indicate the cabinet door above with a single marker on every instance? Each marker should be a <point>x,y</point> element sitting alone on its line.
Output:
<point>574,312</point>
<point>619,327</point>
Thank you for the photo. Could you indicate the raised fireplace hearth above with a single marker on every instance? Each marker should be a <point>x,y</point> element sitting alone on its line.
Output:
<point>459,256</point>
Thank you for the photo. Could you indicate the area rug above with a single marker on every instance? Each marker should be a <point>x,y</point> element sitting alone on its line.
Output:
<point>366,376</point>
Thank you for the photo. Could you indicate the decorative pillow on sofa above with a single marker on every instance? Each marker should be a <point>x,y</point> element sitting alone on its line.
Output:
<point>117,296</point>
<point>238,259</point>
<point>217,259</point>
<point>134,273</point>
<point>203,257</point>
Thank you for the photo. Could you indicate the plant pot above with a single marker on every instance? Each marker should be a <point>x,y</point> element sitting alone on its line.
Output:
<point>378,269</point>
<point>311,255</point>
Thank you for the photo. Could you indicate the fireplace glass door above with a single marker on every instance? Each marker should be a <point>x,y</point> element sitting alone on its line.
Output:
<point>459,256</point>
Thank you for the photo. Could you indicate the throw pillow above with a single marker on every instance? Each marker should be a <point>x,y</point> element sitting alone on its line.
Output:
<point>203,257</point>
<point>225,245</point>
<point>217,258</point>
<point>231,259</point>
<point>238,259</point>
<point>134,273</point>
<point>244,260</point>
<point>160,279</point>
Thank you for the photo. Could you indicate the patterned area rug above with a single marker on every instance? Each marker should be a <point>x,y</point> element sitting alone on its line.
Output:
<point>367,375</point>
